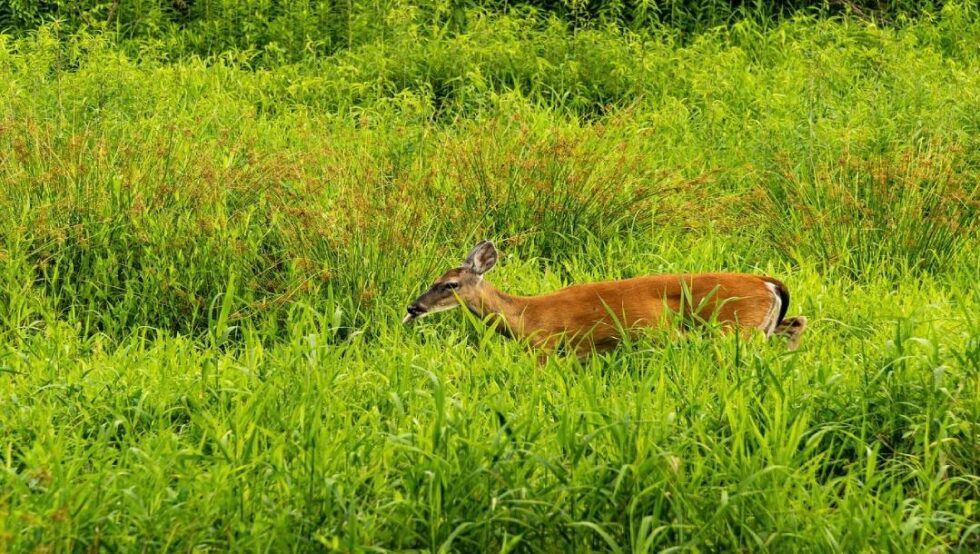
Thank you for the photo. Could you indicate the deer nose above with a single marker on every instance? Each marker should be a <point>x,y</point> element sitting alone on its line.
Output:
<point>414,310</point>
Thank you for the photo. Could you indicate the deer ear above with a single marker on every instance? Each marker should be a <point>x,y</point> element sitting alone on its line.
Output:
<point>482,258</point>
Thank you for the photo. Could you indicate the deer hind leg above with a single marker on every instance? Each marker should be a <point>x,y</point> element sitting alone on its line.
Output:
<point>791,328</point>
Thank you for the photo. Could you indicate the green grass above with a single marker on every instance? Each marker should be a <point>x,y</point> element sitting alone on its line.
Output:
<point>203,266</point>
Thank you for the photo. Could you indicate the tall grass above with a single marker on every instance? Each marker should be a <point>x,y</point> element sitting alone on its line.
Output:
<point>296,29</point>
<point>203,265</point>
<point>913,211</point>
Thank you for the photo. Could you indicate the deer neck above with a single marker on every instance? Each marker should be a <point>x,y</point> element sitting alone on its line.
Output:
<point>506,310</point>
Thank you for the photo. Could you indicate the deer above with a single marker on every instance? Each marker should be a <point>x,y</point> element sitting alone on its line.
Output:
<point>598,316</point>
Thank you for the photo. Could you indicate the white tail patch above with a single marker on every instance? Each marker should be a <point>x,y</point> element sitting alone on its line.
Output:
<point>772,316</point>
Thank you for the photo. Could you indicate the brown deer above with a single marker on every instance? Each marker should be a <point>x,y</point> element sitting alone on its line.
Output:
<point>596,316</point>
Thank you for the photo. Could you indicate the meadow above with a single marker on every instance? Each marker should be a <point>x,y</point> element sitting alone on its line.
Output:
<point>206,252</point>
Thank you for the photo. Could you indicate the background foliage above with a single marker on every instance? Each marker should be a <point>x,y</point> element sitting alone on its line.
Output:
<point>297,29</point>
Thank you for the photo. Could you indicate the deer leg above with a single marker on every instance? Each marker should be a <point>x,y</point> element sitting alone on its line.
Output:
<point>791,328</point>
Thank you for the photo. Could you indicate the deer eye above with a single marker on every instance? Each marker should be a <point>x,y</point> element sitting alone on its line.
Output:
<point>450,286</point>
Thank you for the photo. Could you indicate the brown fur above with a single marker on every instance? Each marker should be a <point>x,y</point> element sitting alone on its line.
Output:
<point>595,315</point>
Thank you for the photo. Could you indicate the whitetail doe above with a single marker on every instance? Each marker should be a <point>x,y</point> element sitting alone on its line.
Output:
<point>595,316</point>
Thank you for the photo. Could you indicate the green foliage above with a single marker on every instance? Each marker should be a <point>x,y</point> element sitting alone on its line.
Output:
<point>698,16</point>
<point>203,263</point>
<point>276,30</point>
<point>914,211</point>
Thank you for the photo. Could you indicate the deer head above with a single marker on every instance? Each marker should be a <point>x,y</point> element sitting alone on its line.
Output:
<point>460,285</point>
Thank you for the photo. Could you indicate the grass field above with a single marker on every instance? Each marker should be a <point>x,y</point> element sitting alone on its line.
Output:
<point>204,262</point>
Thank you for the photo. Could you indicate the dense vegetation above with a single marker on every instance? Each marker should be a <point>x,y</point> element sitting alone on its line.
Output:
<point>209,238</point>
<point>273,30</point>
